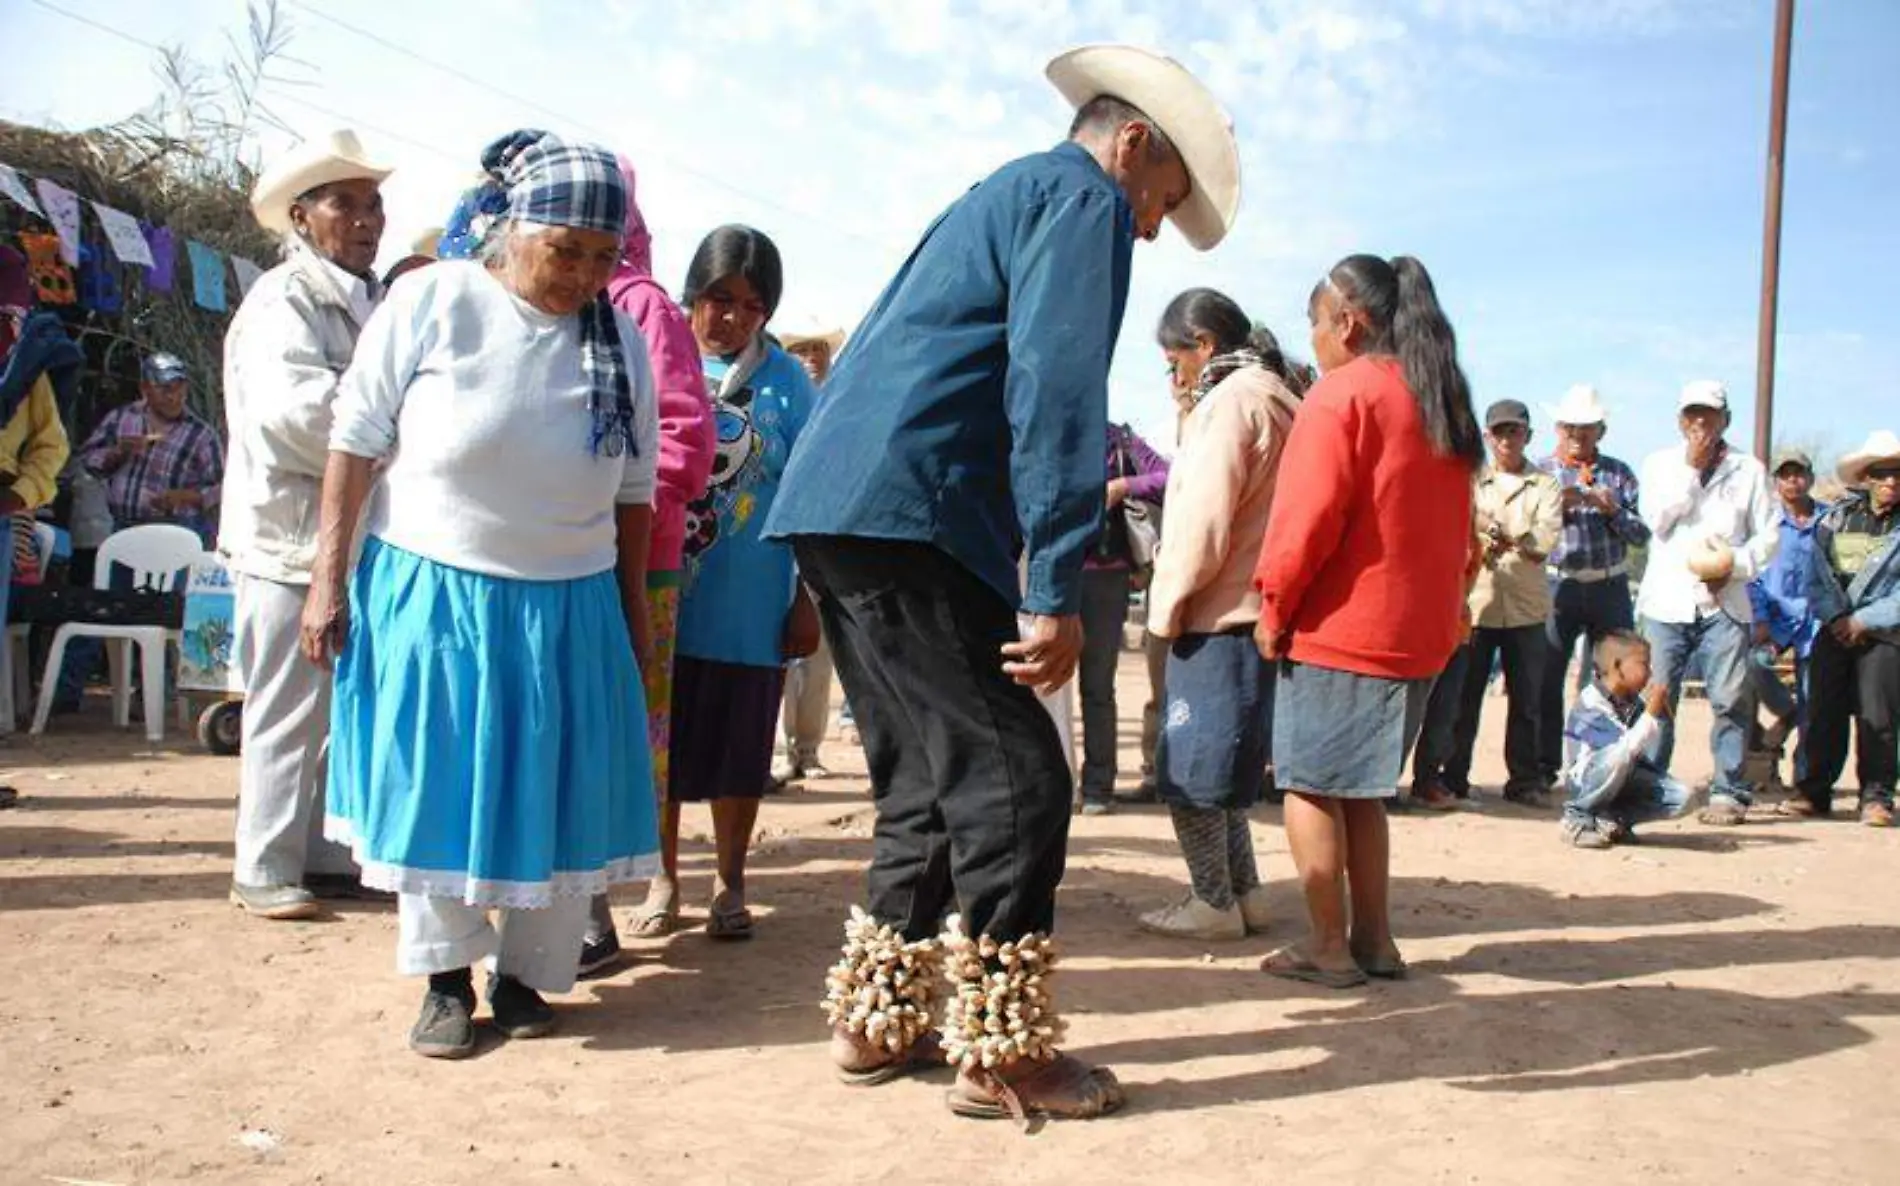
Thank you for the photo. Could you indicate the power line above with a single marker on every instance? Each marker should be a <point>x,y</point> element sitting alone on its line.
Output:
<point>121,34</point>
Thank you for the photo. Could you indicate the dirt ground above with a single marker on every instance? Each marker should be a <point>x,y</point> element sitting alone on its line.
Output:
<point>1709,1006</point>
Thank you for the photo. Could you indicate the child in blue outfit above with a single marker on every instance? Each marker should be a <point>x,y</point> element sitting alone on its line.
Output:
<point>1612,783</point>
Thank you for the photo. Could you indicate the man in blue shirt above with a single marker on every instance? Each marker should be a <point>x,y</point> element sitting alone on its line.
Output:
<point>951,476</point>
<point>1783,620</point>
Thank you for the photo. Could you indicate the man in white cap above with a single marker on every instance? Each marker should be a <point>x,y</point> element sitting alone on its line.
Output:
<point>291,340</point>
<point>1713,527</point>
<point>962,432</point>
<point>1854,589</point>
<point>1589,569</point>
<point>807,706</point>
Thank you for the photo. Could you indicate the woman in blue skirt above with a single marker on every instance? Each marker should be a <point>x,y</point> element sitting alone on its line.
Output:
<point>488,748</point>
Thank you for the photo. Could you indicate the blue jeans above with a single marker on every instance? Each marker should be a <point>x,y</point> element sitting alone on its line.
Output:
<point>1780,701</point>
<point>1578,609</point>
<point>1646,796</point>
<point>1721,643</point>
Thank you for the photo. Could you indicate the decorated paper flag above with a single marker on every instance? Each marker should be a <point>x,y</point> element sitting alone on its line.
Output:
<point>13,187</point>
<point>164,258</point>
<point>207,276</point>
<point>62,210</point>
<point>122,231</point>
<point>247,273</point>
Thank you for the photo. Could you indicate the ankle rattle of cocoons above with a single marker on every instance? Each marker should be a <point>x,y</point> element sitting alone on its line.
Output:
<point>1000,1009</point>
<point>883,989</point>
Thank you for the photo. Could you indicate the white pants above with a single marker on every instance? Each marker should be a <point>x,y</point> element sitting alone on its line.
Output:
<point>286,742</point>
<point>540,948</point>
<point>807,708</point>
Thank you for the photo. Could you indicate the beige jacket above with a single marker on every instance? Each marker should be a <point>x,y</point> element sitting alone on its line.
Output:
<point>1214,515</point>
<point>1528,509</point>
<point>290,342</point>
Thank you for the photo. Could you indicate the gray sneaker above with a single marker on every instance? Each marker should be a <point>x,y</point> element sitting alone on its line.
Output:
<point>1585,834</point>
<point>278,902</point>
<point>446,1026</point>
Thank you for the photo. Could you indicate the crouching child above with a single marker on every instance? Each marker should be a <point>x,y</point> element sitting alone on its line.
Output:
<point>1609,779</point>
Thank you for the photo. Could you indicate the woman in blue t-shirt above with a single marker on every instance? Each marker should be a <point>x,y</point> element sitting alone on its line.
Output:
<point>743,612</point>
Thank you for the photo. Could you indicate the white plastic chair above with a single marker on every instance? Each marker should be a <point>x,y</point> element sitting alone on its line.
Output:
<point>15,684</point>
<point>155,553</point>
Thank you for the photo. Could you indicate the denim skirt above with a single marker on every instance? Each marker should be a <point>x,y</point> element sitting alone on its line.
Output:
<point>1342,735</point>
<point>1217,732</point>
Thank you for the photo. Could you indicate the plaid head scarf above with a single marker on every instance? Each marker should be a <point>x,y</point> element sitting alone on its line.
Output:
<point>537,177</point>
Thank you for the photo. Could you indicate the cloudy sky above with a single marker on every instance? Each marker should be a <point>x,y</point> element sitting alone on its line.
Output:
<point>1583,179</point>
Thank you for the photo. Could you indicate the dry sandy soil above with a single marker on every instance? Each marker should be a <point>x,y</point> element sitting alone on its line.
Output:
<point>1706,1007</point>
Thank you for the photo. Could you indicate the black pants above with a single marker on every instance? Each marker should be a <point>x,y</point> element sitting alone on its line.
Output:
<point>1862,684</point>
<point>971,784</point>
<point>1523,648</point>
<point>1591,611</point>
<point>1105,594</point>
<point>1438,736</point>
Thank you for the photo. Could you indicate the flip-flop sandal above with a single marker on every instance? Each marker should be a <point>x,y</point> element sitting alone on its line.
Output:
<point>1392,969</point>
<point>654,922</point>
<point>1066,1089</point>
<point>925,1054</point>
<point>1290,963</point>
<point>729,923</point>
<point>1795,808</point>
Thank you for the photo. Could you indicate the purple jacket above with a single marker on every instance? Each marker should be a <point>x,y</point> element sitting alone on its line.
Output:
<point>1147,472</point>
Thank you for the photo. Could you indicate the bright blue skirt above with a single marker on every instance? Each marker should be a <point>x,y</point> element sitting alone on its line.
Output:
<point>488,737</point>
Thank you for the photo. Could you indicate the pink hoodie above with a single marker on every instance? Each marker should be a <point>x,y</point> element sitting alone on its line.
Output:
<point>687,436</point>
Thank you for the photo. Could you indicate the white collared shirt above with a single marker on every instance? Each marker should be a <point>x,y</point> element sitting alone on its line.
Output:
<point>361,294</point>
<point>1735,507</point>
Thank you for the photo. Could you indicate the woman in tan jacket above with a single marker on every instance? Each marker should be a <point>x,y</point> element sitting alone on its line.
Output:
<point>1241,396</point>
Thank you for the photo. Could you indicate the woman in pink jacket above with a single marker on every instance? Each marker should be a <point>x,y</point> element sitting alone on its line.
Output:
<point>687,443</point>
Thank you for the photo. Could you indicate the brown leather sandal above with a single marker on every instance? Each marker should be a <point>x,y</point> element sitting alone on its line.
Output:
<point>1064,1088</point>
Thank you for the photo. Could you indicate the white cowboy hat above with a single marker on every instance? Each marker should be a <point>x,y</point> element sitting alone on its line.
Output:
<point>1881,446</point>
<point>338,156</point>
<point>1580,405</point>
<point>806,328</point>
<point>1185,110</point>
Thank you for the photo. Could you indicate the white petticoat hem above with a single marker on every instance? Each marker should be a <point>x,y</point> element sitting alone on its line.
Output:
<point>490,892</point>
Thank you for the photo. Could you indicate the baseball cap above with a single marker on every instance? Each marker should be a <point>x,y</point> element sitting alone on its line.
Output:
<point>1704,393</point>
<point>1507,411</point>
<point>165,368</point>
<point>1786,457</point>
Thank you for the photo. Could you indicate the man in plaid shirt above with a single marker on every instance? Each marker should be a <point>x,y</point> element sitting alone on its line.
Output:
<point>160,461</point>
<point>1589,570</point>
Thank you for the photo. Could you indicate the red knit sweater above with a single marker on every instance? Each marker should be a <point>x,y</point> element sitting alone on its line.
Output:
<point>1364,560</point>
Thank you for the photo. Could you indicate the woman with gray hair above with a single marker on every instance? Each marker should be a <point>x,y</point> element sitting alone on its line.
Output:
<point>290,341</point>
<point>490,742</point>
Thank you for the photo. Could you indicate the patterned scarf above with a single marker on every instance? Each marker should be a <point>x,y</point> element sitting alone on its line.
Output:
<point>1219,367</point>
<point>537,177</point>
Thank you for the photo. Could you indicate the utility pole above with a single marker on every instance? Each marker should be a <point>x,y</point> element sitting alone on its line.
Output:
<point>1771,235</point>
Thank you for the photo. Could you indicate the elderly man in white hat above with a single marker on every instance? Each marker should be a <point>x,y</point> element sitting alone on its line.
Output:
<point>1589,570</point>
<point>806,713</point>
<point>1714,529</point>
<point>1854,592</point>
<point>289,343</point>
<point>962,430</point>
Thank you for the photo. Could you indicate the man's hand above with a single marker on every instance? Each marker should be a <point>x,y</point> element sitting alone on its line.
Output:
<point>1760,634</point>
<point>1656,700</point>
<point>1046,656</point>
<point>1117,492</point>
<point>802,632</point>
<point>1848,631</point>
<point>173,501</point>
<point>1603,499</point>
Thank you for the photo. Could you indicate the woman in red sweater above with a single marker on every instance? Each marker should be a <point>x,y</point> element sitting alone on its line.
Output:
<point>1362,586</point>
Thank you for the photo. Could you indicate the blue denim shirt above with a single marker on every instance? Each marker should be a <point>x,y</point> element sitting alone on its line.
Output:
<point>1780,595</point>
<point>970,408</point>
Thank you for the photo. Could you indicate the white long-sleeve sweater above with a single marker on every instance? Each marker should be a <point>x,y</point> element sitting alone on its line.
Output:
<point>479,403</point>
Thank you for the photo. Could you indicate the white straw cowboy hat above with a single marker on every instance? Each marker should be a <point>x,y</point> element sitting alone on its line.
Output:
<point>1185,110</point>
<point>1580,405</point>
<point>338,156</point>
<point>1882,446</point>
<point>809,330</point>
